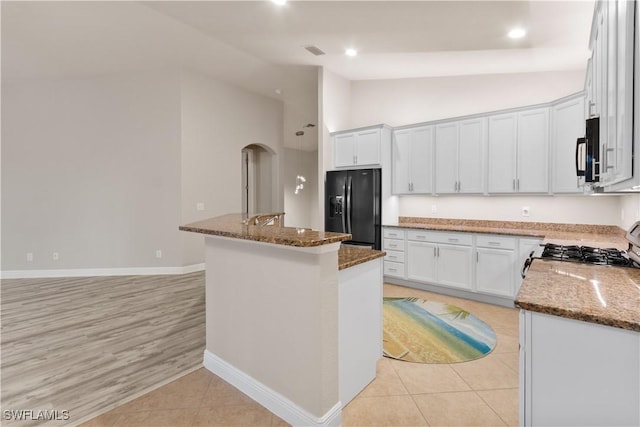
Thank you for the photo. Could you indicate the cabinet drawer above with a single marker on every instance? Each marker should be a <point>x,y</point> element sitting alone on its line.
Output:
<point>420,236</point>
<point>452,238</point>
<point>498,242</point>
<point>395,256</point>
<point>394,244</point>
<point>393,233</point>
<point>395,269</point>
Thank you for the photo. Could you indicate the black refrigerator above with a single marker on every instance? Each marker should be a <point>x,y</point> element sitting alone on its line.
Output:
<point>353,205</point>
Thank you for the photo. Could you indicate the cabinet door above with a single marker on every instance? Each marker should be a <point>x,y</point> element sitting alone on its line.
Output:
<point>502,153</point>
<point>422,160</point>
<point>533,155</point>
<point>421,261</point>
<point>401,161</point>
<point>525,247</point>
<point>344,150</point>
<point>368,147</point>
<point>568,124</point>
<point>454,266</point>
<point>619,155</point>
<point>495,271</point>
<point>471,155</point>
<point>446,158</point>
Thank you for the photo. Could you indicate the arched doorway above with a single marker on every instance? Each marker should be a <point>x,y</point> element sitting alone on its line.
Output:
<point>259,179</point>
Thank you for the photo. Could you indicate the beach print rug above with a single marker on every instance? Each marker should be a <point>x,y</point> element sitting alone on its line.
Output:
<point>417,330</point>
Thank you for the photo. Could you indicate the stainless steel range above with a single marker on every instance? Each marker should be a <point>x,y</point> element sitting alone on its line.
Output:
<point>590,254</point>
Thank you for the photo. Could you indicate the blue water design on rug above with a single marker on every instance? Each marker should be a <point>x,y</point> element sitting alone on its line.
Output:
<point>418,330</point>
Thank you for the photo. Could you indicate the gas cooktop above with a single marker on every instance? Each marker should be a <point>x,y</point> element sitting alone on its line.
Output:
<point>586,254</point>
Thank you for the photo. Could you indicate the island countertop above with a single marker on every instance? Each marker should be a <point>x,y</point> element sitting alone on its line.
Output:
<point>606,295</point>
<point>231,225</point>
<point>348,256</point>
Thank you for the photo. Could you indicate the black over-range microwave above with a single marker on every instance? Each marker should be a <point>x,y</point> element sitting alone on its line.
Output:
<point>588,152</point>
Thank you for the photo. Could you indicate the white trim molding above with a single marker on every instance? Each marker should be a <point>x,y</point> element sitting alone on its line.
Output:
<point>90,272</point>
<point>270,399</point>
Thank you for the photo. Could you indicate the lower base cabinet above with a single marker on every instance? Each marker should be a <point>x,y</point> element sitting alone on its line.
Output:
<point>575,373</point>
<point>484,265</point>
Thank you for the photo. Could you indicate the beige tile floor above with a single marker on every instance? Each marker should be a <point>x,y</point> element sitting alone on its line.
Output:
<point>483,392</point>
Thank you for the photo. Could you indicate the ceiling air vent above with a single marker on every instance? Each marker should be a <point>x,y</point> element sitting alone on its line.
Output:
<point>315,50</point>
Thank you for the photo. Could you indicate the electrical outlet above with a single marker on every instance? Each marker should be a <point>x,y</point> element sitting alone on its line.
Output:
<point>29,256</point>
<point>434,209</point>
<point>158,253</point>
<point>56,256</point>
<point>526,211</point>
<point>199,206</point>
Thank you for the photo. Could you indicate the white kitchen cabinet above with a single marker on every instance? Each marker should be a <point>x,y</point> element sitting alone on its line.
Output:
<point>525,247</point>
<point>496,265</point>
<point>421,261</point>
<point>567,125</point>
<point>502,153</point>
<point>518,152</point>
<point>472,148</point>
<point>412,156</point>
<point>360,147</point>
<point>459,158</point>
<point>454,266</point>
<point>446,164</point>
<point>532,151</point>
<point>576,373</point>
<point>394,245</point>
<point>440,258</point>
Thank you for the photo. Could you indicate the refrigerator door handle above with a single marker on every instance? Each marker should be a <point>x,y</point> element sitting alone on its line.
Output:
<point>345,207</point>
<point>349,182</point>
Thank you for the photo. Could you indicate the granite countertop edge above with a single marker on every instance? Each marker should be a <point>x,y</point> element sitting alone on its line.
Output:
<point>351,256</point>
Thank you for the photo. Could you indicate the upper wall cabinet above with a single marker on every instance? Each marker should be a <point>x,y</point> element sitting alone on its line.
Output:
<point>518,152</point>
<point>412,157</point>
<point>361,147</point>
<point>460,148</point>
<point>567,125</point>
<point>609,86</point>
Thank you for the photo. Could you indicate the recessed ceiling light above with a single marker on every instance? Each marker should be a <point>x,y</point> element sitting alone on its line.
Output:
<point>517,33</point>
<point>351,52</point>
<point>279,2</point>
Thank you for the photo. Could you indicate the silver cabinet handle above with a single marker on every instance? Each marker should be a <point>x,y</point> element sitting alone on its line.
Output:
<point>392,235</point>
<point>591,105</point>
<point>494,243</point>
<point>459,187</point>
<point>392,245</point>
<point>392,257</point>
<point>514,185</point>
<point>477,255</point>
<point>606,158</point>
<point>518,184</point>
<point>393,269</point>
<point>451,239</point>
<point>434,252</point>
<point>421,237</point>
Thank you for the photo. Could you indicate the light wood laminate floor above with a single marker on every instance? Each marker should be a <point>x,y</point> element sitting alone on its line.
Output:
<point>86,345</point>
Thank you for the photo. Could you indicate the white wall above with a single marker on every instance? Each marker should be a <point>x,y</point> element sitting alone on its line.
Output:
<point>335,108</point>
<point>561,209</point>
<point>407,101</point>
<point>299,207</point>
<point>629,210</point>
<point>218,120</point>
<point>91,170</point>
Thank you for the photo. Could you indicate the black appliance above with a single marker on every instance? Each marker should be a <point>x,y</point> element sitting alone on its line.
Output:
<point>353,205</point>
<point>591,255</point>
<point>588,152</point>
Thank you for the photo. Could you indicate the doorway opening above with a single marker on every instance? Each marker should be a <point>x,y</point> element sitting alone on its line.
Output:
<point>259,183</point>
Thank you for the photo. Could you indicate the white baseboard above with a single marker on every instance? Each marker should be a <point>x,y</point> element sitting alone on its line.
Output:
<point>270,399</point>
<point>89,272</point>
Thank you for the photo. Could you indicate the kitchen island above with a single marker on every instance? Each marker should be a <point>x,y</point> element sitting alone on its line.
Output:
<point>292,319</point>
<point>579,345</point>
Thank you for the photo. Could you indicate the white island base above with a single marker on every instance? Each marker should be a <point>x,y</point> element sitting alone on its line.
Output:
<point>289,330</point>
